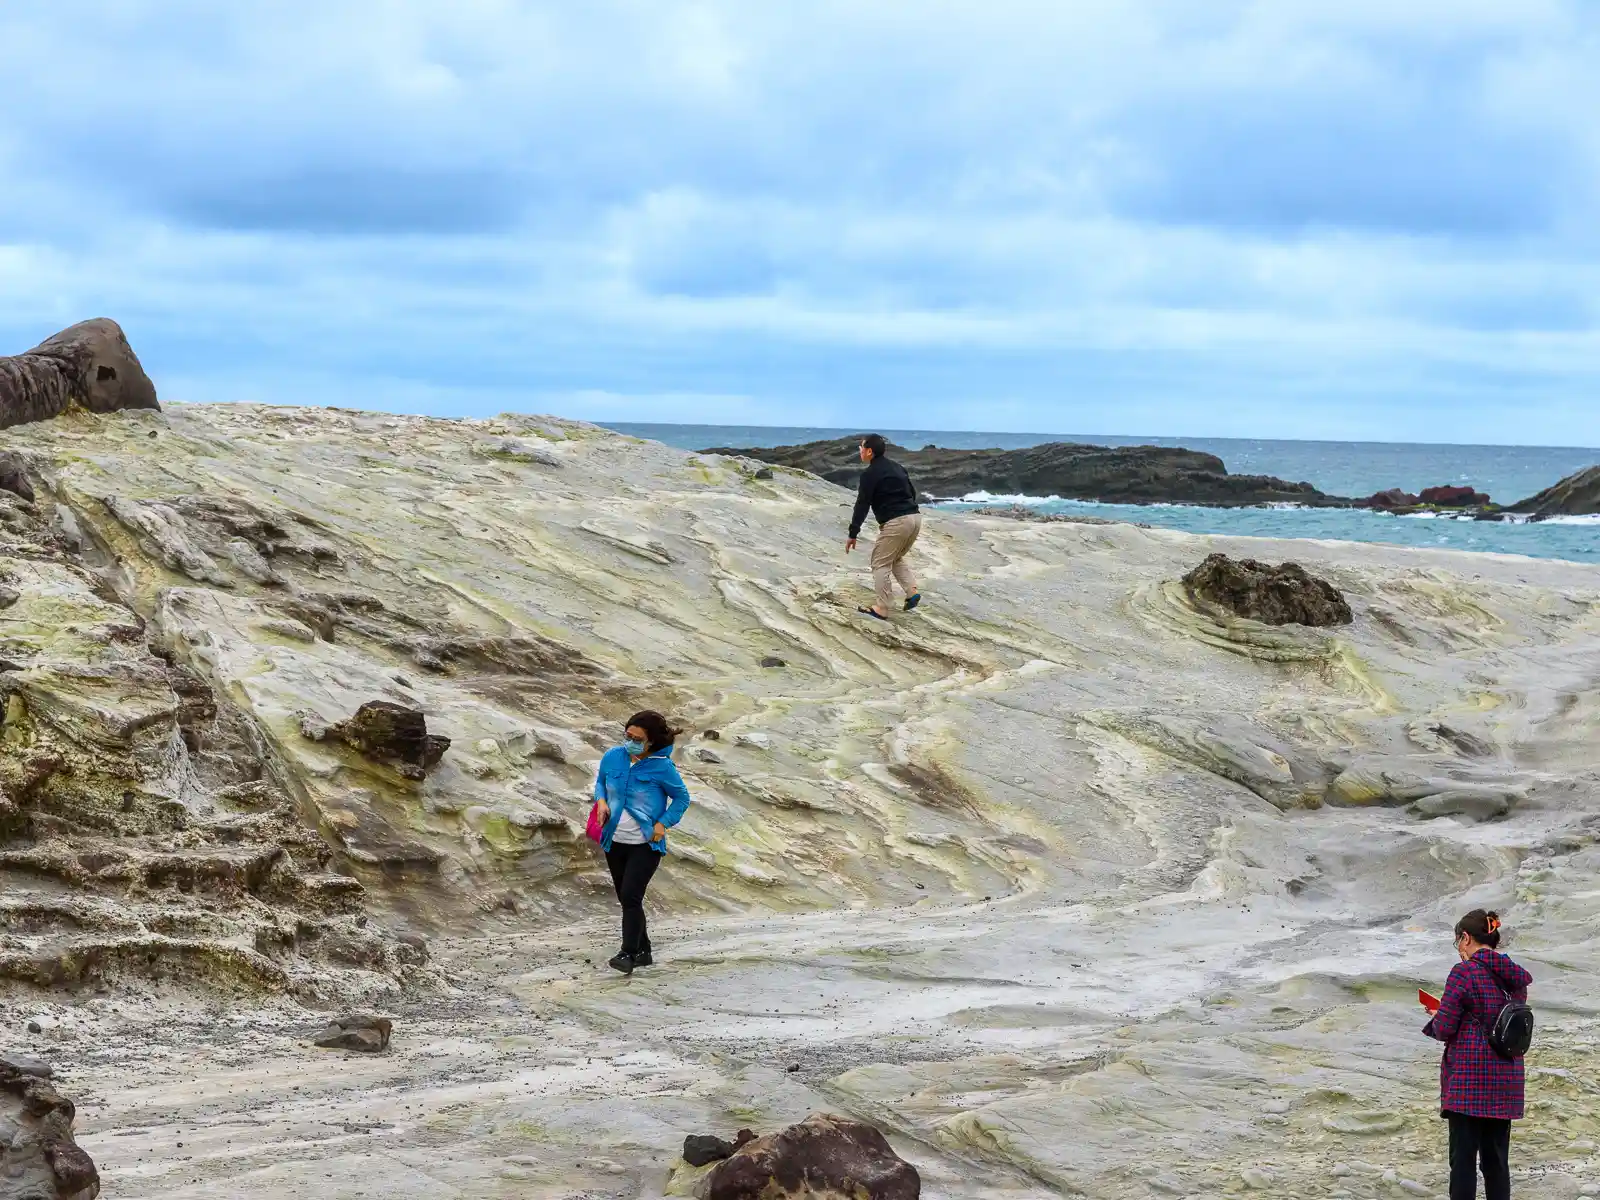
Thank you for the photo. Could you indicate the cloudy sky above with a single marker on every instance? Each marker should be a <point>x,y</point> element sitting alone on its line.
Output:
<point>1294,218</point>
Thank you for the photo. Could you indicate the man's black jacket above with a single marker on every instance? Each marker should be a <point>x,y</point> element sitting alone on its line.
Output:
<point>887,490</point>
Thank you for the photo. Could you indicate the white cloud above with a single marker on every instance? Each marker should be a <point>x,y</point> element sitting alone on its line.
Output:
<point>1186,215</point>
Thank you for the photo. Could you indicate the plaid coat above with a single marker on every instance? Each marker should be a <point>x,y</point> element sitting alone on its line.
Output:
<point>1473,1080</point>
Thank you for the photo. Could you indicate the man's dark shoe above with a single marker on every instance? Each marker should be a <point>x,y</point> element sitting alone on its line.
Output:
<point>913,601</point>
<point>623,963</point>
<point>642,959</point>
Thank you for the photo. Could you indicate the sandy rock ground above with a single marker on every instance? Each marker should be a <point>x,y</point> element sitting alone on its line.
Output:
<point>1068,886</point>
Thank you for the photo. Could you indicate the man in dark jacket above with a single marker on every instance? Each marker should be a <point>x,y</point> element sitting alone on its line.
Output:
<point>888,491</point>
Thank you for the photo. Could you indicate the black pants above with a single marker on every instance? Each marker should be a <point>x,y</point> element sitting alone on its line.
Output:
<point>631,870</point>
<point>1475,1140</point>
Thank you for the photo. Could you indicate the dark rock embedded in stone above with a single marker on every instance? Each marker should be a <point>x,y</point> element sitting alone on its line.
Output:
<point>90,365</point>
<point>40,1160</point>
<point>822,1156</point>
<point>361,1032</point>
<point>1281,595</point>
<point>1576,495</point>
<point>392,734</point>
<point>700,1149</point>
<point>772,660</point>
<point>1112,474</point>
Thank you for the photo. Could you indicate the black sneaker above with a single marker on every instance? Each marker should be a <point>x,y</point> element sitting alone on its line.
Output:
<point>642,959</point>
<point>623,963</point>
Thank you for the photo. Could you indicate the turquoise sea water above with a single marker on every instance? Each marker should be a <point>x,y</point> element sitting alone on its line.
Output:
<point>1507,473</point>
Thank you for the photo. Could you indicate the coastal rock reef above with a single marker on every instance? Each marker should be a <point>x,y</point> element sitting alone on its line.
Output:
<point>1071,881</point>
<point>1110,474</point>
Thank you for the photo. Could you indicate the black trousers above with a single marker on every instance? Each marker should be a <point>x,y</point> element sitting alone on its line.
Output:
<point>632,868</point>
<point>1476,1141</point>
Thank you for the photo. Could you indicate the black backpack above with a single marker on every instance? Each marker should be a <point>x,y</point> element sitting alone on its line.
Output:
<point>1511,1032</point>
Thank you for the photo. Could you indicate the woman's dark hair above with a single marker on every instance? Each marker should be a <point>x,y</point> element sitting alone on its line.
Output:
<point>875,443</point>
<point>655,726</point>
<point>1483,926</point>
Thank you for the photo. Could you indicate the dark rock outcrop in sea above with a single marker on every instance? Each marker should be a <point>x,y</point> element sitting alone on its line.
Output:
<point>1281,595</point>
<point>1400,502</point>
<point>1073,471</point>
<point>89,364</point>
<point>1452,496</point>
<point>1576,495</point>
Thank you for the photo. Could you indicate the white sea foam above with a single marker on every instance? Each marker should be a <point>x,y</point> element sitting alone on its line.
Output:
<point>1029,501</point>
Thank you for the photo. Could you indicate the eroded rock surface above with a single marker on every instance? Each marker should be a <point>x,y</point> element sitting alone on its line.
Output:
<point>1274,595</point>
<point>39,1159</point>
<point>1071,884</point>
<point>143,837</point>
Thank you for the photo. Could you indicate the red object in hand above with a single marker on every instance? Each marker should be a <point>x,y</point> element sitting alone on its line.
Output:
<point>1431,1003</point>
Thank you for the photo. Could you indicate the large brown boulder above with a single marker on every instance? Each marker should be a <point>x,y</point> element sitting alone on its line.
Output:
<point>823,1158</point>
<point>90,365</point>
<point>1281,595</point>
<point>39,1160</point>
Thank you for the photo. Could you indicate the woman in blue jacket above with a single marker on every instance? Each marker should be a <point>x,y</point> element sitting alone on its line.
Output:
<point>641,796</point>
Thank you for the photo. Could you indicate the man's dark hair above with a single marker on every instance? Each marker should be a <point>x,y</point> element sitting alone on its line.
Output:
<point>875,443</point>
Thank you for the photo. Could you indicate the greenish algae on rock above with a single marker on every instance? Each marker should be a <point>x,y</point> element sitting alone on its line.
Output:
<point>1067,884</point>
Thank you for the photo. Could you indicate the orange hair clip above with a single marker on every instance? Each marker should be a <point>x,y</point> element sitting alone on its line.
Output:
<point>1494,924</point>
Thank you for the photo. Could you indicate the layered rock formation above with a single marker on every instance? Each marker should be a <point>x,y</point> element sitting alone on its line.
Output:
<point>1110,474</point>
<point>1067,882</point>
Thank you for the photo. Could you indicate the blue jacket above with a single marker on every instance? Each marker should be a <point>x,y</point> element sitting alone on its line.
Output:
<point>651,789</point>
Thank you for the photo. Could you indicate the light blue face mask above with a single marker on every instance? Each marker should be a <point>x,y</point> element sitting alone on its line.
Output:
<point>633,747</point>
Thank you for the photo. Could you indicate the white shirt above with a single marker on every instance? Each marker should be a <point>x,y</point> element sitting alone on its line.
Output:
<point>627,831</point>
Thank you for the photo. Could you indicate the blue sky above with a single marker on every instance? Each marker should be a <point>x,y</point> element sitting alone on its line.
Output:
<point>1285,218</point>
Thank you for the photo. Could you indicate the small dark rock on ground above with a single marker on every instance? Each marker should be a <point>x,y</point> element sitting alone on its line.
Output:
<point>360,1032</point>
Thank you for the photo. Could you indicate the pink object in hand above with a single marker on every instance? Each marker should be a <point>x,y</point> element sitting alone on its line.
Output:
<point>595,827</point>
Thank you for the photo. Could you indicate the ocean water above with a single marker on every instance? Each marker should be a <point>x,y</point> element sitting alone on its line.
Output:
<point>1506,473</point>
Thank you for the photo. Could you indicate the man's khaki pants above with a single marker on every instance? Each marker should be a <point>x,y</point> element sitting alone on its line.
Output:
<point>895,539</point>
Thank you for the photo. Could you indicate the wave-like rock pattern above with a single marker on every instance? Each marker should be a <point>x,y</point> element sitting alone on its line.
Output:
<point>1065,881</point>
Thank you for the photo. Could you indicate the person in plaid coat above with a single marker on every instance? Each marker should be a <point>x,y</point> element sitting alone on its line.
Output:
<point>1480,1093</point>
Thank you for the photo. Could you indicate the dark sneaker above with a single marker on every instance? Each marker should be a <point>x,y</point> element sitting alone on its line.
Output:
<point>623,963</point>
<point>642,959</point>
<point>913,601</point>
